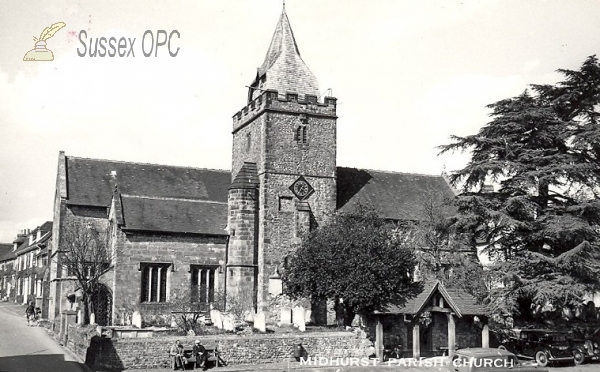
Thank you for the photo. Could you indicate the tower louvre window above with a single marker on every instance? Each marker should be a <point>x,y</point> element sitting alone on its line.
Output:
<point>301,136</point>
<point>248,141</point>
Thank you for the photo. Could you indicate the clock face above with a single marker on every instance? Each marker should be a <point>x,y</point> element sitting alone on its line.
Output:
<point>301,188</point>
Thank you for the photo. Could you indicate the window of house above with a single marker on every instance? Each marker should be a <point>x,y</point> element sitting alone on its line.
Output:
<point>154,282</point>
<point>38,288</point>
<point>203,283</point>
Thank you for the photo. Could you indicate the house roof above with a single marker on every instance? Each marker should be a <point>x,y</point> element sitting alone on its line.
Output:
<point>6,252</point>
<point>459,301</point>
<point>396,196</point>
<point>91,181</point>
<point>173,215</point>
<point>26,247</point>
<point>284,68</point>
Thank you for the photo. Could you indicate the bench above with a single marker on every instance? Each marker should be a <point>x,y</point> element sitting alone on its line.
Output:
<point>213,356</point>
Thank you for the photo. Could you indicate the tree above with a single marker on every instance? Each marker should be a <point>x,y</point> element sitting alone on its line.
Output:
<point>86,256</point>
<point>442,252</point>
<point>354,260</point>
<point>188,309</point>
<point>542,226</point>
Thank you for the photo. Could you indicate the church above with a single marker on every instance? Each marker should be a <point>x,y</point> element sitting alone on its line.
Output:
<point>221,231</point>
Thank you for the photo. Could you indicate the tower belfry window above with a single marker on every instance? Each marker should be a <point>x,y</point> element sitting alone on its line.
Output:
<point>302,135</point>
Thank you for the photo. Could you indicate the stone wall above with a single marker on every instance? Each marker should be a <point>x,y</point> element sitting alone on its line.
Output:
<point>103,353</point>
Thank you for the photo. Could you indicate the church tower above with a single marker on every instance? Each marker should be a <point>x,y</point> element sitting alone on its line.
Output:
<point>283,168</point>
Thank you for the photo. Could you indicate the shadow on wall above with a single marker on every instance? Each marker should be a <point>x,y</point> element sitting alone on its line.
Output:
<point>102,356</point>
<point>350,182</point>
<point>40,362</point>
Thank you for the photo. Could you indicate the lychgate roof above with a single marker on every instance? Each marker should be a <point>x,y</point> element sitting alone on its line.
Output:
<point>459,301</point>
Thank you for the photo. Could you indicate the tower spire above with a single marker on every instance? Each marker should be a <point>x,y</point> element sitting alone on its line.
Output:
<point>283,68</point>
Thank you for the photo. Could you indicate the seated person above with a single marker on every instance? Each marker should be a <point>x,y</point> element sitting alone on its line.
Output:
<point>177,358</point>
<point>199,352</point>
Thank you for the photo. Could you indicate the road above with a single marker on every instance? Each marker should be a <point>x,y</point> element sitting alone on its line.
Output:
<point>25,349</point>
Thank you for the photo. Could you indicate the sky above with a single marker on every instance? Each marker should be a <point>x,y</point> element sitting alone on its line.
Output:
<point>407,75</point>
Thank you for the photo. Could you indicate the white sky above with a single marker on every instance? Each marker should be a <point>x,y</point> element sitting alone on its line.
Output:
<point>407,75</point>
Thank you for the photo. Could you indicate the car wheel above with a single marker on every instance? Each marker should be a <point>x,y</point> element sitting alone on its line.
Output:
<point>541,358</point>
<point>578,357</point>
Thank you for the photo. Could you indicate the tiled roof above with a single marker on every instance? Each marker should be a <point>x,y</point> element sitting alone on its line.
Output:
<point>174,215</point>
<point>457,299</point>
<point>6,252</point>
<point>89,181</point>
<point>284,68</point>
<point>26,247</point>
<point>396,196</point>
<point>47,226</point>
<point>247,177</point>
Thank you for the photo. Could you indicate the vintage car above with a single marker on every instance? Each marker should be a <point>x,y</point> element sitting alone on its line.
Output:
<point>541,345</point>
<point>584,350</point>
<point>492,360</point>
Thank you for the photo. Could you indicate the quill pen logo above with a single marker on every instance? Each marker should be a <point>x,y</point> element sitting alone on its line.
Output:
<point>40,52</point>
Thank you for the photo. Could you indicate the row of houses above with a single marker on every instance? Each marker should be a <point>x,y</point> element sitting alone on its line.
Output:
<point>24,275</point>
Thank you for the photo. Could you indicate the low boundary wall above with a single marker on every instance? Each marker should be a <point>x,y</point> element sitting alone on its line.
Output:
<point>103,353</point>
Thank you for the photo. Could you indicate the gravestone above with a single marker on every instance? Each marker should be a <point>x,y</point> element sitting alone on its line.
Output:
<point>307,316</point>
<point>92,318</point>
<point>286,316</point>
<point>298,318</point>
<point>228,323</point>
<point>260,322</point>
<point>79,316</point>
<point>173,322</point>
<point>136,319</point>
<point>216,318</point>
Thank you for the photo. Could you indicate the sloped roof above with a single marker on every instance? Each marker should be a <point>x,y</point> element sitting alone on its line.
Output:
<point>457,299</point>
<point>173,215</point>
<point>6,252</point>
<point>247,177</point>
<point>396,196</point>
<point>89,181</point>
<point>284,68</point>
<point>26,247</point>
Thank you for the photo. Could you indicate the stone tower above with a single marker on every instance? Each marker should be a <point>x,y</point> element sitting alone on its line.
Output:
<point>283,168</point>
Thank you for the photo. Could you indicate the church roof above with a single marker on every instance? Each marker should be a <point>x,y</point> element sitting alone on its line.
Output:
<point>459,301</point>
<point>173,215</point>
<point>396,196</point>
<point>283,69</point>
<point>194,200</point>
<point>91,181</point>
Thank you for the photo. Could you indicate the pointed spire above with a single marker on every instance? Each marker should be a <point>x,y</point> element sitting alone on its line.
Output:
<point>283,69</point>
